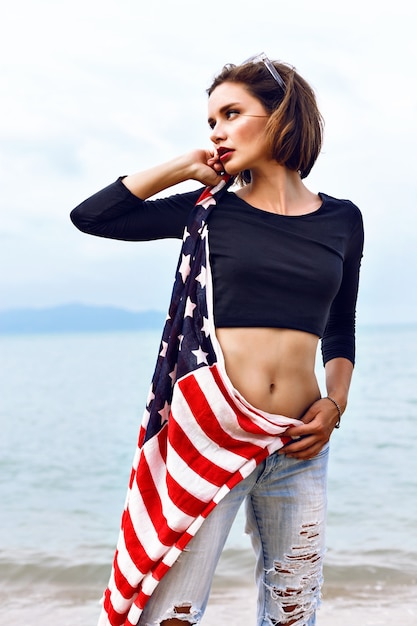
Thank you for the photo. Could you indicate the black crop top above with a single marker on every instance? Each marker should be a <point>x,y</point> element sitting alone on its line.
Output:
<point>269,270</point>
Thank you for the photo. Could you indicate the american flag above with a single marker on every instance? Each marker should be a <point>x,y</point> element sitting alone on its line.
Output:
<point>197,440</point>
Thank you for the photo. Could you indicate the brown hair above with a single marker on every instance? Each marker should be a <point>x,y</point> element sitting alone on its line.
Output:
<point>295,126</point>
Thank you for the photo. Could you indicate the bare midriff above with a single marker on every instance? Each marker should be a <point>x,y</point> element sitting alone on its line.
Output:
<point>273,368</point>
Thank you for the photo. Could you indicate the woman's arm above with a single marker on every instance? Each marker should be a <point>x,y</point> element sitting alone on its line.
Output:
<point>338,348</point>
<point>338,378</point>
<point>121,211</point>
<point>200,165</point>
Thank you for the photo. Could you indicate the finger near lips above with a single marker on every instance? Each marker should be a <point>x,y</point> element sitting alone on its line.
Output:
<point>215,164</point>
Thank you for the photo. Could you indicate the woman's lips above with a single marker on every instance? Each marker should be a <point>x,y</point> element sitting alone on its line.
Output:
<point>224,153</point>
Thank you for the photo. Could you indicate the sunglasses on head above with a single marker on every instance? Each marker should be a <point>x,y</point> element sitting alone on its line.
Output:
<point>262,58</point>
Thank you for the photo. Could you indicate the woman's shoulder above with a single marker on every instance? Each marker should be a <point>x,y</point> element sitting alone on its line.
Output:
<point>347,217</point>
<point>339,203</point>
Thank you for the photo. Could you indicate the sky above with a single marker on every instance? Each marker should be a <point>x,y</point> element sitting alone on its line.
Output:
<point>95,89</point>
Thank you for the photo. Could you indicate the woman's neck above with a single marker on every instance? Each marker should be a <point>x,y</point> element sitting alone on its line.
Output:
<point>279,190</point>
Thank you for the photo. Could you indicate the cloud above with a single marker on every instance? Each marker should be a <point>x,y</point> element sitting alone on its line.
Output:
<point>97,89</point>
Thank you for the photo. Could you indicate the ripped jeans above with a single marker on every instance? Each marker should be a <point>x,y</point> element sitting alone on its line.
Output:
<point>285,502</point>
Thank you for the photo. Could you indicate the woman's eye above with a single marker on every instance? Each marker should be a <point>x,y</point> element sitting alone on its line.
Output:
<point>229,115</point>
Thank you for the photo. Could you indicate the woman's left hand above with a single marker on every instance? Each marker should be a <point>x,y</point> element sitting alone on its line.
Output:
<point>317,425</point>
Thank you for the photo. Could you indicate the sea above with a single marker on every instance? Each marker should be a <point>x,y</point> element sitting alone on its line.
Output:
<point>70,409</point>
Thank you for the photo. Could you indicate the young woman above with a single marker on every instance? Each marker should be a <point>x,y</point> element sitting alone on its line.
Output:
<point>280,272</point>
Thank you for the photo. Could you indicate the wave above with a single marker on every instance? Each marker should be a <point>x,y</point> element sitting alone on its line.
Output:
<point>52,572</point>
<point>369,570</point>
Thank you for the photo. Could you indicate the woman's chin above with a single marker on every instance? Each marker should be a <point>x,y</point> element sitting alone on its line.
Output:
<point>229,169</point>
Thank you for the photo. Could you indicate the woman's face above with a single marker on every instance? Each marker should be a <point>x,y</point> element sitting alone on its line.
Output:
<point>237,121</point>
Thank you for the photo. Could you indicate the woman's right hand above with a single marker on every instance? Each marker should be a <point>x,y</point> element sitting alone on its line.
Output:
<point>206,167</point>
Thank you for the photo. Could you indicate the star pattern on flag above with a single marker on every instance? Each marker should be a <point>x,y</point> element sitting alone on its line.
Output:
<point>184,268</point>
<point>202,277</point>
<point>206,327</point>
<point>189,308</point>
<point>185,344</point>
<point>200,355</point>
<point>164,413</point>
<point>173,375</point>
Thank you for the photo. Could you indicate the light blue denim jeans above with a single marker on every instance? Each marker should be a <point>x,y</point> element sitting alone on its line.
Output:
<point>285,502</point>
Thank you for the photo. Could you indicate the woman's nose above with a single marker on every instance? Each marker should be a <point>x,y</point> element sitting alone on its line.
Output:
<point>217,133</point>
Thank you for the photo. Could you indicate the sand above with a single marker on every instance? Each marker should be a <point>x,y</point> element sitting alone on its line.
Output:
<point>233,610</point>
<point>335,612</point>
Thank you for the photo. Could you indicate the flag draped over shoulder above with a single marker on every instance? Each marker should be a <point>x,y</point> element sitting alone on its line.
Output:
<point>197,440</point>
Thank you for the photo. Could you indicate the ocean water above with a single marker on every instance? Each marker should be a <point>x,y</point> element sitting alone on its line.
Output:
<point>70,408</point>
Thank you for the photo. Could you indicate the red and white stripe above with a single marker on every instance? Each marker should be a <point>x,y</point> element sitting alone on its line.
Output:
<point>212,440</point>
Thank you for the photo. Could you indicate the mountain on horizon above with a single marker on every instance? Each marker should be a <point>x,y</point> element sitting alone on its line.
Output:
<point>77,318</point>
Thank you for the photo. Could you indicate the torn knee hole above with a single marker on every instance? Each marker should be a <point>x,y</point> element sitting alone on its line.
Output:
<point>185,608</point>
<point>178,615</point>
<point>293,560</point>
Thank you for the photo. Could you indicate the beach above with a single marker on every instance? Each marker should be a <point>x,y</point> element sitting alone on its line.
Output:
<point>226,608</point>
<point>70,416</point>
<point>342,611</point>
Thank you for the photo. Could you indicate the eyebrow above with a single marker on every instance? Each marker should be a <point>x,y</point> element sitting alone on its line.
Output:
<point>224,108</point>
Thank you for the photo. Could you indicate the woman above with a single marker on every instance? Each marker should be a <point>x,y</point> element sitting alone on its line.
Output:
<point>282,272</point>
